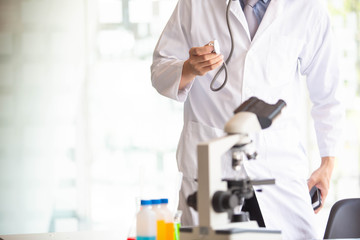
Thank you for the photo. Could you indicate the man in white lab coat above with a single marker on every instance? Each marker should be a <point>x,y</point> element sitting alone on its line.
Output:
<point>293,38</point>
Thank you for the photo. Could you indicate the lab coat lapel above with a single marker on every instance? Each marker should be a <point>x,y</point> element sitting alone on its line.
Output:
<point>235,8</point>
<point>274,10</point>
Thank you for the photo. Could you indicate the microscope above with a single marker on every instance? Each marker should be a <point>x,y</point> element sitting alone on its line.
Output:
<point>218,201</point>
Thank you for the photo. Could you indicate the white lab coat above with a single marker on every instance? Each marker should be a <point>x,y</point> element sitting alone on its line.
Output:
<point>294,37</point>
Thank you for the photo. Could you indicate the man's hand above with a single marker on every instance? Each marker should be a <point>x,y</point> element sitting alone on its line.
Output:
<point>321,178</point>
<point>201,61</point>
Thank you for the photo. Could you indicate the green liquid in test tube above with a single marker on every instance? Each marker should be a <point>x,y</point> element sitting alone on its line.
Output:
<point>177,225</point>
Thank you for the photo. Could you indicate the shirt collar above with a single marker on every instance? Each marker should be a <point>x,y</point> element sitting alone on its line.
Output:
<point>243,2</point>
<point>264,1</point>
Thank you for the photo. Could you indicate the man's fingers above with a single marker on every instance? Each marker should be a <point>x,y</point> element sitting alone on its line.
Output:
<point>318,210</point>
<point>311,183</point>
<point>213,66</point>
<point>203,60</point>
<point>198,51</point>
<point>211,61</point>
<point>201,68</point>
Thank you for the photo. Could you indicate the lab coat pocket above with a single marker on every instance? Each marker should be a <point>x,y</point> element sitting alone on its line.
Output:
<point>282,59</point>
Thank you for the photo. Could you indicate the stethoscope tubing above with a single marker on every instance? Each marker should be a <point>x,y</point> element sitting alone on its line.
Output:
<point>224,65</point>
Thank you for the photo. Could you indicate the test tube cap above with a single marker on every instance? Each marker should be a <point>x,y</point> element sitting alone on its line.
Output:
<point>156,201</point>
<point>164,200</point>
<point>146,202</point>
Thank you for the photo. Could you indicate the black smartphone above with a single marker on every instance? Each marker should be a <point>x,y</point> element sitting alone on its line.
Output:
<point>315,197</point>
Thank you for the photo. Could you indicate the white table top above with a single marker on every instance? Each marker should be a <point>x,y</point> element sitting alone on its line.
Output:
<point>90,235</point>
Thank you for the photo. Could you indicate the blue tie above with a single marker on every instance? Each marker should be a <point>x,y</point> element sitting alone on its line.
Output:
<point>251,17</point>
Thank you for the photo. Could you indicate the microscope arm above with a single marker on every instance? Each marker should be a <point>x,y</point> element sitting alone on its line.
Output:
<point>209,176</point>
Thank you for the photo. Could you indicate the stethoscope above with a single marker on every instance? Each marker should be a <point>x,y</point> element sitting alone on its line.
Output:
<point>217,50</point>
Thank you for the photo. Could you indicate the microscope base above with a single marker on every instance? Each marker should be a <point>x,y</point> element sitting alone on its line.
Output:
<point>239,231</point>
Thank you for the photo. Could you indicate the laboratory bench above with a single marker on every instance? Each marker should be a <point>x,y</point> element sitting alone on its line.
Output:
<point>86,235</point>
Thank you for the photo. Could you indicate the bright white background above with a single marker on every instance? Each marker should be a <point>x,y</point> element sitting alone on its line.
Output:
<point>82,131</point>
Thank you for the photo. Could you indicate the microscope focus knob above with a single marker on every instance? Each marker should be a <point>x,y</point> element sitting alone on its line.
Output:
<point>224,201</point>
<point>192,201</point>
